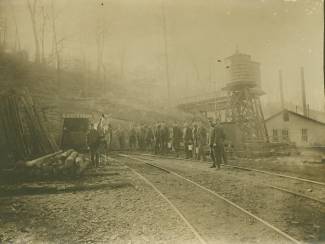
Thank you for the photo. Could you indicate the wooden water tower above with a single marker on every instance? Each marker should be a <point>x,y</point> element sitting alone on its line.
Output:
<point>244,90</point>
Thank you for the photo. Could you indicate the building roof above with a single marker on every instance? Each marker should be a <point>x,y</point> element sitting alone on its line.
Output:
<point>297,114</point>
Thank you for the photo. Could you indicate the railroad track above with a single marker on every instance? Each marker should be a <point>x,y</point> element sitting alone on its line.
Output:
<point>248,169</point>
<point>283,189</point>
<point>203,189</point>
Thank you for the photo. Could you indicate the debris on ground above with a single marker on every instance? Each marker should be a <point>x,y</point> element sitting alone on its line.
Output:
<point>56,164</point>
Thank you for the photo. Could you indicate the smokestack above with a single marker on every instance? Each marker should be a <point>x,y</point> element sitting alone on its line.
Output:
<point>303,89</point>
<point>281,89</point>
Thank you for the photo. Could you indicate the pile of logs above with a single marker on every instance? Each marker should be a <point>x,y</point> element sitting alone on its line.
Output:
<point>56,164</point>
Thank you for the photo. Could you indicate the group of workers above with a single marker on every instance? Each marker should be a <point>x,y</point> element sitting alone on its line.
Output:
<point>193,139</point>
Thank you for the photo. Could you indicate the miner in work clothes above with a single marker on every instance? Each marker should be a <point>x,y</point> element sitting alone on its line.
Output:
<point>212,143</point>
<point>188,141</point>
<point>201,141</point>
<point>93,144</point>
<point>218,145</point>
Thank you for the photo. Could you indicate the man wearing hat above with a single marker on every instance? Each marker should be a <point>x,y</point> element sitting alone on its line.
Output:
<point>219,138</point>
<point>212,143</point>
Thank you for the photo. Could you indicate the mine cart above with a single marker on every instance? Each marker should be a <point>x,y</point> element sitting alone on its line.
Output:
<point>74,132</point>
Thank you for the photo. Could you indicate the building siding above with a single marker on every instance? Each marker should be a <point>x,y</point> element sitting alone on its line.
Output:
<point>295,124</point>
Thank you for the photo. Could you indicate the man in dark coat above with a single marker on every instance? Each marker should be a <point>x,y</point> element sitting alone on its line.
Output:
<point>164,137</point>
<point>158,139</point>
<point>218,143</point>
<point>211,143</point>
<point>149,138</point>
<point>177,138</point>
<point>195,140</point>
<point>93,140</point>
<point>188,141</point>
<point>201,141</point>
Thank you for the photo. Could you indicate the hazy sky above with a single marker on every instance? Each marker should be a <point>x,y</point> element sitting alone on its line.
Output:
<point>280,34</point>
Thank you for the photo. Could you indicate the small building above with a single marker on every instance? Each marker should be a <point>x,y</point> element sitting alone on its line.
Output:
<point>289,126</point>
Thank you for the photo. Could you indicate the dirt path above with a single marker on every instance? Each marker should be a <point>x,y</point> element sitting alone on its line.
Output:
<point>127,212</point>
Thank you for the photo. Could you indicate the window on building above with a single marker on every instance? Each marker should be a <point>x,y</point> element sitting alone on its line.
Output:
<point>304,135</point>
<point>275,135</point>
<point>285,135</point>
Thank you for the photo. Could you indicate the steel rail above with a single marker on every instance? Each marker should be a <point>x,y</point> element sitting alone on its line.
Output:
<point>279,189</point>
<point>189,225</point>
<point>226,200</point>
<point>296,194</point>
<point>250,169</point>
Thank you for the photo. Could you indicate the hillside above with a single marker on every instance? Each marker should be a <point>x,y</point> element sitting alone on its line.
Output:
<point>72,92</point>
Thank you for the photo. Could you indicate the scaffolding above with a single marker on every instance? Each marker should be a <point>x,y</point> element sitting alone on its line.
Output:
<point>245,110</point>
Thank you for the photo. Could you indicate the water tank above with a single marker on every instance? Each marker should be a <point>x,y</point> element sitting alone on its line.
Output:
<point>242,71</point>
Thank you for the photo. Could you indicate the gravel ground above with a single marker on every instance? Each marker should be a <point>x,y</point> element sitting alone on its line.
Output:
<point>294,166</point>
<point>301,218</point>
<point>126,210</point>
<point>214,219</point>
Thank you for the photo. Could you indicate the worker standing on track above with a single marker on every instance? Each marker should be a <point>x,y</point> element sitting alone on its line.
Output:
<point>188,141</point>
<point>102,146</point>
<point>219,137</point>
<point>108,137</point>
<point>149,139</point>
<point>212,144</point>
<point>143,137</point>
<point>93,143</point>
<point>164,137</point>
<point>201,141</point>
<point>176,138</point>
<point>157,135</point>
<point>195,140</point>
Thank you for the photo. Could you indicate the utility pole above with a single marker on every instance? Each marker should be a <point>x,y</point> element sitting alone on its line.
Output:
<point>303,91</point>
<point>166,51</point>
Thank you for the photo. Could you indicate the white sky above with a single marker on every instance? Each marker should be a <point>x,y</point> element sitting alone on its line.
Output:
<point>280,34</point>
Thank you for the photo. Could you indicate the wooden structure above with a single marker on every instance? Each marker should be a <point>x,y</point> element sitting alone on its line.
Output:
<point>238,102</point>
<point>245,110</point>
<point>23,134</point>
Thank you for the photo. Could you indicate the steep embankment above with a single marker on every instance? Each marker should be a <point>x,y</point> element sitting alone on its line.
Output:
<point>71,92</point>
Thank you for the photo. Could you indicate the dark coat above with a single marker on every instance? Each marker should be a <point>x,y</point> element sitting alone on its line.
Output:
<point>177,134</point>
<point>217,136</point>
<point>149,135</point>
<point>93,138</point>
<point>188,135</point>
<point>202,136</point>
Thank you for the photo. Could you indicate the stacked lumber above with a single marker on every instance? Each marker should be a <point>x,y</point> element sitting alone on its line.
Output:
<point>24,134</point>
<point>56,164</point>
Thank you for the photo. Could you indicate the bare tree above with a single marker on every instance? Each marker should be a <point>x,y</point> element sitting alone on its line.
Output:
<point>17,45</point>
<point>32,8</point>
<point>100,45</point>
<point>44,21</point>
<point>55,41</point>
<point>100,38</point>
<point>3,27</point>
